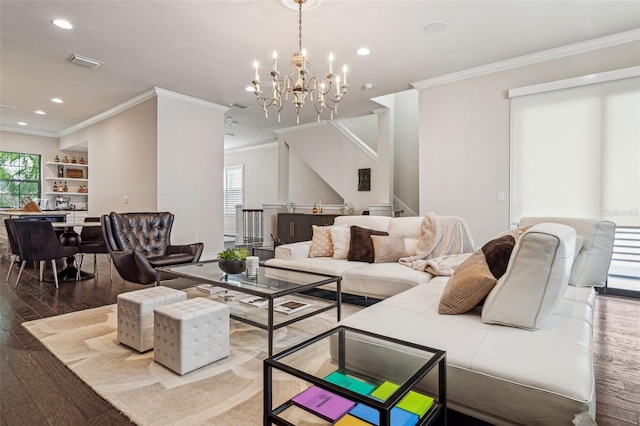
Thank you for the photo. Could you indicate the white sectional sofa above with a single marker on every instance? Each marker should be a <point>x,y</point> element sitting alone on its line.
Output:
<point>377,280</point>
<point>525,357</point>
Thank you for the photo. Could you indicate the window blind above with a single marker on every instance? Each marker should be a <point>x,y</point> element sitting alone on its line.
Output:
<point>576,152</point>
<point>233,188</point>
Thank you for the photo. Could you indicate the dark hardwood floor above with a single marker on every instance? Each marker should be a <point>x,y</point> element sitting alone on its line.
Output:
<point>36,389</point>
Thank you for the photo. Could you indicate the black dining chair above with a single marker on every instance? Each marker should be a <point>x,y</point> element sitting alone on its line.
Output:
<point>13,244</point>
<point>38,242</point>
<point>92,242</point>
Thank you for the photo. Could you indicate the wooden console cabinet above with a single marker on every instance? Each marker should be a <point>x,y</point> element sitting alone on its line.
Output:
<point>296,227</point>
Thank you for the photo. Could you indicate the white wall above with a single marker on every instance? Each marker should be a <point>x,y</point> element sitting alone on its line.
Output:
<point>122,160</point>
<point>365,128</point>
<point>336,160</point>
<point>464,136</point>
<point>260,176</point>
<point>190,159</point>
<point>405,127</point>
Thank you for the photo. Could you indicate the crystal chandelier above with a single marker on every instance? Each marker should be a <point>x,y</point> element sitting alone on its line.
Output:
<point>300,82</point>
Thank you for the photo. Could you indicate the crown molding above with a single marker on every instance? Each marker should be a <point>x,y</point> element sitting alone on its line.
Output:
<point>27,131</point>
<point>144,96</point>
<point>534,58</point>
<point>162,93</point>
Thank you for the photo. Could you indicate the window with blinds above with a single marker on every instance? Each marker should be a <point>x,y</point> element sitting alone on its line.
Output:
<point>233,188</point>
<point>576,152</point>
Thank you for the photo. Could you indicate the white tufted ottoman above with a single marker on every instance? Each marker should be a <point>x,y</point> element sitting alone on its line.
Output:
<point>191,334</point>
<point>135,314</point>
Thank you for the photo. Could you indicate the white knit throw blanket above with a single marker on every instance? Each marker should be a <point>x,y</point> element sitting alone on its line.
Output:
<point>443,240</point>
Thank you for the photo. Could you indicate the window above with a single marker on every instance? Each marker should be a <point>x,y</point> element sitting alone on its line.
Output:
<point>233,188</point>
<point>576,152</point>
<point>19,177</point>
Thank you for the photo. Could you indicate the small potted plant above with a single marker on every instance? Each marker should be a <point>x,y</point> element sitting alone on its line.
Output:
<point>233,260</point>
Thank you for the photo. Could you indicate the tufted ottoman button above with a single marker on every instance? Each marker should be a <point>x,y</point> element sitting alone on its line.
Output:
<point>191,334</point>
<point>135,314</point>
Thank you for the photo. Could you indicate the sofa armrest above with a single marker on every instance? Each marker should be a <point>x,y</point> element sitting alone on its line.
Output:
<point>293,251</point>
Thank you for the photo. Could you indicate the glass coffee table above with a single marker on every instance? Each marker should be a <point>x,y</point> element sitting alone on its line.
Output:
<point>275,293</point>
<point>345,376</point>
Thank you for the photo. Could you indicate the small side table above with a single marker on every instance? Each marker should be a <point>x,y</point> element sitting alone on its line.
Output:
<point>367,366</point>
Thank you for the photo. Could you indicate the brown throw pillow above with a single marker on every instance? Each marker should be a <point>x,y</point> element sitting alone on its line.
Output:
<point>388,249</point>
<point>361,245</point>
<point>321,245</point>
<point>497,252</point>
<point>468,285</point>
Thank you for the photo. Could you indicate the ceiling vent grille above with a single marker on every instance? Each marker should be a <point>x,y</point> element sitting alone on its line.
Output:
<point>84,61</point>
<point>238,105</point>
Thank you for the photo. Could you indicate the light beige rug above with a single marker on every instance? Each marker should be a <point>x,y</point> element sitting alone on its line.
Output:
<point>227,392</point>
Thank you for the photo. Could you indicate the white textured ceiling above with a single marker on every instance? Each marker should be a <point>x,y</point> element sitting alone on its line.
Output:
<point>205,49</point>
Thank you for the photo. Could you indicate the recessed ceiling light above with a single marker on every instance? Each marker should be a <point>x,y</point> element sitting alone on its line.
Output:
<point>250,89</point>
<point>57,100</point>
<point>40,112</point>
<point>435,27</point>
<point>363,51</point>
<point>61,23</point>
<point>21,123</point>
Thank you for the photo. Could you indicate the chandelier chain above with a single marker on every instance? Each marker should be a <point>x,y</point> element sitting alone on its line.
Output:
<point>300,27</point>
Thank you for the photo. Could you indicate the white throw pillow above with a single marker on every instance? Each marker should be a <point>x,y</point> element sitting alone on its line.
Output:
<point>340,236</point>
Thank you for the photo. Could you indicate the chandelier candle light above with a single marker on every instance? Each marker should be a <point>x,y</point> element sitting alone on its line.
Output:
<point>300,82</point>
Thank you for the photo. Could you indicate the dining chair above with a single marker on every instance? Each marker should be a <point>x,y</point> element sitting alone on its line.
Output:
<point>38,242</point>
<point>13,244</point>
<point>92,242</point>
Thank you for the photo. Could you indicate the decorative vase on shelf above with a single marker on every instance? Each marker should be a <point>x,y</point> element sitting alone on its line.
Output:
<point>65,159</point>
<point>57,159</point>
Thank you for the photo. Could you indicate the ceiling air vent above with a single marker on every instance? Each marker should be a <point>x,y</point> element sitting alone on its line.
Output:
<point>84,61</point>
<point>238,105</point>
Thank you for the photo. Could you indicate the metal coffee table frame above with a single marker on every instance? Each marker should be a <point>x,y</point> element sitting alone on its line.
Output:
<point>242,283</point>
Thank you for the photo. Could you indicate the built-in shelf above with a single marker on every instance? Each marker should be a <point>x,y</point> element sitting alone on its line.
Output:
<point>60,163</point>
<point>65,179</point>
<point>67,193</point>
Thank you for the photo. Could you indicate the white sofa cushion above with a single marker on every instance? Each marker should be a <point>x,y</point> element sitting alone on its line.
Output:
<point>591,265</point>
<point>504,375</point>
<point>378,223</point>
<point>535,280</point>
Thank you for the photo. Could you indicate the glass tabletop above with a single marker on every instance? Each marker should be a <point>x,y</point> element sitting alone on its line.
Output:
<point>361,355</point>
<point>269,280</point>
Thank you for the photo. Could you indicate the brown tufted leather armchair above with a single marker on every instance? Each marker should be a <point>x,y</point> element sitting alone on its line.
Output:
<point>139,242</point>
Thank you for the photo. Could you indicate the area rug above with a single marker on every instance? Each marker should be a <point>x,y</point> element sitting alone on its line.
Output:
<point>227,392</point>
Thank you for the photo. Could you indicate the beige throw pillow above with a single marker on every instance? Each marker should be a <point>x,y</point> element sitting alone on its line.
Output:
<point>388,249</point>
<point>468,285</point>
<point>340,236</point>
<point>321,245</point>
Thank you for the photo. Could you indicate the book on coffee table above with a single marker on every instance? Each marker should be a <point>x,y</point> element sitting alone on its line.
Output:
<point>323,403</point>
<point>349,382</point>
<point>210,289</point>
<point>291,306</point>
<point>399,417</point>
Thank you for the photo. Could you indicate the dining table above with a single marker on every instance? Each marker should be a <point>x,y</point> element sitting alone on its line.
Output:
<point>70,237</point>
